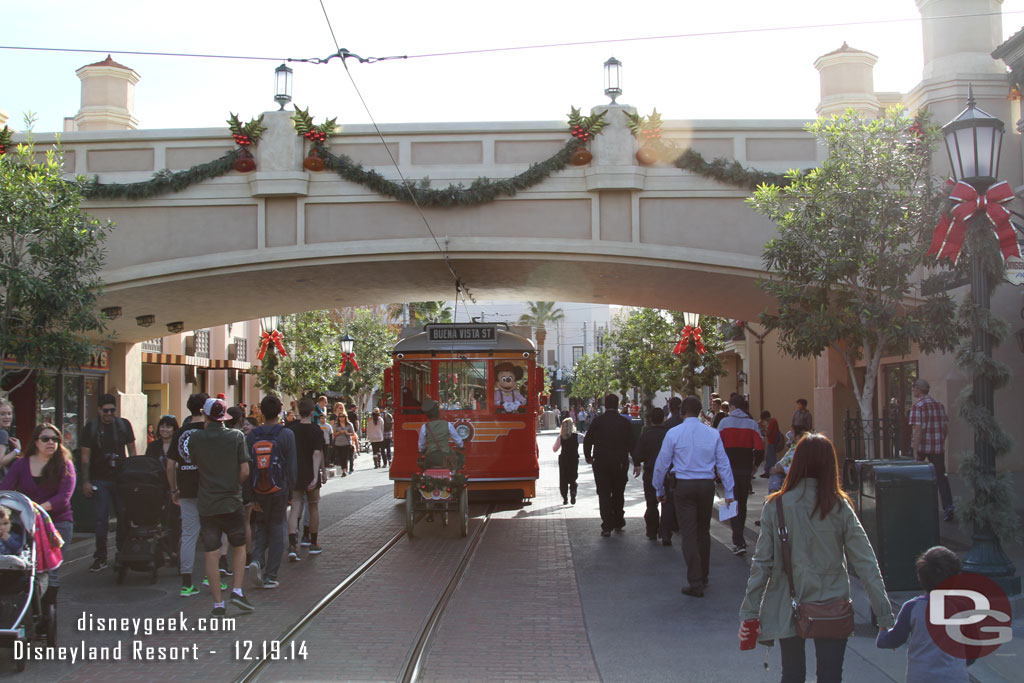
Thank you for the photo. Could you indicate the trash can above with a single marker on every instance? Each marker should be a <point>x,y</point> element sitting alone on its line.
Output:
<point>897,505</point>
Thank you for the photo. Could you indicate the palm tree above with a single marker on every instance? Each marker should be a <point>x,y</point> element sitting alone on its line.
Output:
<point>423,312</point>
<point>541,313</point>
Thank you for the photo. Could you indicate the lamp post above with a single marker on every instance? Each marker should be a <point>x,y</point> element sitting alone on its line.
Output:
<point>282,85</point>
<point>613,78</point>
<point>973,141</point>
<point>346,343</point>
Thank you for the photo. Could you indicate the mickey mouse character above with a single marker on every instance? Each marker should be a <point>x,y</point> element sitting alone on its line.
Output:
<point>506,394</point>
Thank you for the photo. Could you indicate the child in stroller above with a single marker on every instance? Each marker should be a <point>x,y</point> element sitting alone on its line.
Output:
<point>142,485</point>
<point>10,544</point>
<point>23,577</point>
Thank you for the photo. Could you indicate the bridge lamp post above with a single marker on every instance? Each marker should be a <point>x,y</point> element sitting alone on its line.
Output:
<point>613,78</point>
<point>282,85</point>
<point>973,141</point>
<point>346,343</point>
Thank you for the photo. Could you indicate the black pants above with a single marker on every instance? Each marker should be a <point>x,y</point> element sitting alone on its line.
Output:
<point>942,481</point>
<point>652,519</point>
<point>694,502</point>
<point>668,512</point>
<point>828,651</point>
<point>610,478</point>
<point>741,493</point>
<point>568,474</point>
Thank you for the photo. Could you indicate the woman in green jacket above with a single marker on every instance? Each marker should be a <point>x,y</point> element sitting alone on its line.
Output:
<point>823,533</point>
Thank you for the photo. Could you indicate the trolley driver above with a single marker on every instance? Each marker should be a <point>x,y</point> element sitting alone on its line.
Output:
<point>434,436</point>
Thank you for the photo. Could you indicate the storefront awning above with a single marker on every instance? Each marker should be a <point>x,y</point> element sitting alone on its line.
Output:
<point>174,359</point>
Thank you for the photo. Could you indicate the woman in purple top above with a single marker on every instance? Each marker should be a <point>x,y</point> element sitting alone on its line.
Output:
<point>46,474</point>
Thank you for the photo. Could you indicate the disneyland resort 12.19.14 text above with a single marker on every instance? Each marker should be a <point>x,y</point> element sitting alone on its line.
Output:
<point>136,649</point>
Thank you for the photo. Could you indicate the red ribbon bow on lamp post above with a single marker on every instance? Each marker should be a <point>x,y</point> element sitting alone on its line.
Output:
<point>345,359</point>
<point>268,338</point>
<point>948,238</point>
<point>689,332</point>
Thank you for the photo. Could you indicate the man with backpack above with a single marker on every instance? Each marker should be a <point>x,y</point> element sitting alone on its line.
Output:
<point>274,470</point>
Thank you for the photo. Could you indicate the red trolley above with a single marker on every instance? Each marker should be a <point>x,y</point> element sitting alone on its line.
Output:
<point>487,381</point>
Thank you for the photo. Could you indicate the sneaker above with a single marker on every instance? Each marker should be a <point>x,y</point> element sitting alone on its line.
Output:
<point>187,591</point>
<point>315,550</point>
<point>223,586</point>
<point>305,543</point>
<point>270,583</point>
<point>219,611</point>
<point>293,554</point>
<point>257,571</point>
<point>224,570</point>
<point>240,602</point>
<point>98,565</point>
<point>739,549</point>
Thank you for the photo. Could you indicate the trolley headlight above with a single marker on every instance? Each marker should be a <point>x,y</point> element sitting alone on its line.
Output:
<point>399,355</point>
<point>526,354</point>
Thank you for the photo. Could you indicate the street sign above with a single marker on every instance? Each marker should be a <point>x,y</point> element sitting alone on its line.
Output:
<point>1015,270</point>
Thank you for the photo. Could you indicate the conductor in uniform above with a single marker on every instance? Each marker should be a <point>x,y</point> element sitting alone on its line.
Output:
<point>607,446</point>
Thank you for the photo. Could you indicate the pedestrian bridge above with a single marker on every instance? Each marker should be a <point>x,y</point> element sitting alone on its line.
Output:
<point>282,239</point>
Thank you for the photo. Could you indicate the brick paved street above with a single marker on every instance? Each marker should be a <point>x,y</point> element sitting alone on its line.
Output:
<point>545,598</point>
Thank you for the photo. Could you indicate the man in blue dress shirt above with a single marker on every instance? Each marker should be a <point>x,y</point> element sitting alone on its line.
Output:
<point>694,450</point>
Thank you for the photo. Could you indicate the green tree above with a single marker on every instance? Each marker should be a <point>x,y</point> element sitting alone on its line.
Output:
<point>542,313</point>
<point>423,312</point>
<point>51,253</point>
<point>642,343</point>
<point>594,377</point>
<point>850,235</point>
<point>374,339</point>
<point>313,353</point>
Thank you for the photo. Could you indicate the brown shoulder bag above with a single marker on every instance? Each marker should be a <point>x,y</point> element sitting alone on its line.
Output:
<point>826,619</point>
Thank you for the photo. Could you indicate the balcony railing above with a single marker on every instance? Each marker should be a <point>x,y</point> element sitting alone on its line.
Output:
<point>153,345</point>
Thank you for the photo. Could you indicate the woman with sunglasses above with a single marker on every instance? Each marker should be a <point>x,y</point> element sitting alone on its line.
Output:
<point>166,428</point>
<point>46,474</point>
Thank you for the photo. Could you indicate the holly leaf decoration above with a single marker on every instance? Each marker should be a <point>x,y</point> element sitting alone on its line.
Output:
<point>255,128</point>
<point>6,137</point>
<point>303,121</point>
<point>635,122</point>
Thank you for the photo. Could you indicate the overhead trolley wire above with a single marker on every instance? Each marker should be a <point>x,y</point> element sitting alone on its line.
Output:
<point>344,54</point>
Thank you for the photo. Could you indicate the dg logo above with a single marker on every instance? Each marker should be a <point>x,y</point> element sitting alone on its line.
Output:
<point>969,616</point>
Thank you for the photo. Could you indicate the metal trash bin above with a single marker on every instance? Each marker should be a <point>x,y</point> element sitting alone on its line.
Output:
<point>897,504</point>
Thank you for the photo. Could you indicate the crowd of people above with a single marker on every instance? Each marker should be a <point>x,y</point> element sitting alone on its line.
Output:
<point>685,454</point>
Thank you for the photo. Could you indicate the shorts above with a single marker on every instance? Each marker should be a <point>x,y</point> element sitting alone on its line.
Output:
<point>231,524</point>
<point>299,495</point>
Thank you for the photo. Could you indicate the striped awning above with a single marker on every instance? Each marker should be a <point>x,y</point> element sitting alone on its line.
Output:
<point>222,364</point>
<point>174,359</point>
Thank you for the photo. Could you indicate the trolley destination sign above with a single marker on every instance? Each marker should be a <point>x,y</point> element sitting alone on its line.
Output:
<point>460,333</point>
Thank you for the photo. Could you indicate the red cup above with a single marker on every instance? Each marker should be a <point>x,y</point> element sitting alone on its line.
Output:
<point>752,626</point>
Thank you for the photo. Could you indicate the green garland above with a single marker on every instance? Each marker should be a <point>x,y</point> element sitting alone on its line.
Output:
<point>481,191</point>
<point>992,504</point>
<point>162,182</point>
<point>730,172</point>
<point>422,481</point>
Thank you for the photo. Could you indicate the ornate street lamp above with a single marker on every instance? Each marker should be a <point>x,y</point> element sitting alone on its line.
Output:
<point>691,319</point>
<point>613,78</point>
<point>973,140</point>
<point>282,85</point>
<point>347,354</point>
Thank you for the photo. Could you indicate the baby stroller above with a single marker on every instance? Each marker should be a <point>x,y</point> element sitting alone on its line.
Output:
<point>142,485</point>
<point>23,580</point>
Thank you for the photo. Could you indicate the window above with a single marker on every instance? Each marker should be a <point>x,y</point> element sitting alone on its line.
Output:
<point>413,382</point>
<point>577,354</point>
<point>463,385</point>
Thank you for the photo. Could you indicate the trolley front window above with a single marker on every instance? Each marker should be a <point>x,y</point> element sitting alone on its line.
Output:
<point>463,385</point>
<point>414,381</point>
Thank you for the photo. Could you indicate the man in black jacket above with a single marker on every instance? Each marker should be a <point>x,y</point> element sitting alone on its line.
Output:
<point>610,438</point>
<point>644,456</point>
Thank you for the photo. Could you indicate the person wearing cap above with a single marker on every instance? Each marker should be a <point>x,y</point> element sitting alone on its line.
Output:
<point>434,436</point>
<point>220,456</point>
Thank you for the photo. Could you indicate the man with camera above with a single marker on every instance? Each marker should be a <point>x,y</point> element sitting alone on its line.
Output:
<point>106,441</point>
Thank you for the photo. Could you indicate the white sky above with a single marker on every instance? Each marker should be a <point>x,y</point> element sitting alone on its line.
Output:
<point>741,76</point>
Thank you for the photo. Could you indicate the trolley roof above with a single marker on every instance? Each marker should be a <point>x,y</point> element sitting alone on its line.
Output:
<point>464,337</point>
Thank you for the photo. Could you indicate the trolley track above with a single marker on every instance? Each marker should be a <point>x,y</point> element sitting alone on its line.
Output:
<point>413,665</point>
